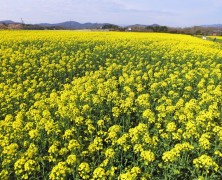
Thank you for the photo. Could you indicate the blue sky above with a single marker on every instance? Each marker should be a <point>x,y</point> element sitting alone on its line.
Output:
<point>123,12</point>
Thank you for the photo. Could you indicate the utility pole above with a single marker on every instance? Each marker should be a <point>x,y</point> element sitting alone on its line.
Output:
<point>22,21</point>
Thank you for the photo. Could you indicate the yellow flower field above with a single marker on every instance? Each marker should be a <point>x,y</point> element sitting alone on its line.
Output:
<point>109,105</point>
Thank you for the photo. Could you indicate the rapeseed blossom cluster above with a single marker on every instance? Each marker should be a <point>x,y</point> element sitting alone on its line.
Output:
<point>105,105</point>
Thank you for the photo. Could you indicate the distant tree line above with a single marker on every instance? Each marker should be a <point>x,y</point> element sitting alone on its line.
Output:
<point>38,27</point>
<point>196,30</point>
<point>18,26</point>
<point>157,28</point>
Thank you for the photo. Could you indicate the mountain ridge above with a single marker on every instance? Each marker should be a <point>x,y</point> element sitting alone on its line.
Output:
<point>89,25</point>
<point>213,25</point>
<point>65,24</point>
